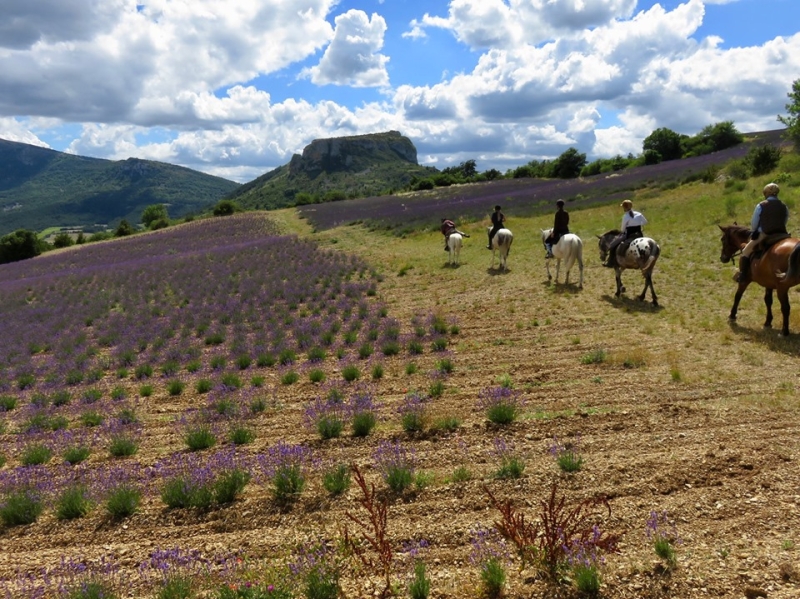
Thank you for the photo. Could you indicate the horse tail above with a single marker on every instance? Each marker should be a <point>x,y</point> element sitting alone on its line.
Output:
<point>655,252</point>
<point>794,264</point>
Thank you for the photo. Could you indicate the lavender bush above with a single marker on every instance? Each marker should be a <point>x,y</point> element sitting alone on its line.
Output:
<point>489,553</point>
<point>567,455</point>
<point>396,464</point>
<point>502,405</point>
<point>285,467</point>
<point>662,532</point>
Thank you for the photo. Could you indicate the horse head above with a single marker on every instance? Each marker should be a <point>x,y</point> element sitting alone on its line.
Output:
<point>545,234</point>
<point>734,238</point>
<point>605,242</point>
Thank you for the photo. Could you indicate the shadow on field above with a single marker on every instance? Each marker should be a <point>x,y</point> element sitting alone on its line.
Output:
<point>632,303</point>
<point>769,337</point>
<point>448,265</point>
<point>496,271</point>
<point>562,288</point>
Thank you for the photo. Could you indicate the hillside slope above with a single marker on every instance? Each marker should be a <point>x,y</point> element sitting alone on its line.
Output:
<point>42,188</point>
<point>356,166</point>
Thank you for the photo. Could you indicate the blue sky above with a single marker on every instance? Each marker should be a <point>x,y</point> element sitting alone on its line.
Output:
<point>235,87</point>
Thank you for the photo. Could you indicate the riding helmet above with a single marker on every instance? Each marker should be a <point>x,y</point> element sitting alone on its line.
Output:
<point>497,208</point>
<point>627,204</point>
<point>559,202</point>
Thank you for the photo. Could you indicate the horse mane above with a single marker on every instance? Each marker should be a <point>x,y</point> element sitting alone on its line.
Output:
<point>614,232</point>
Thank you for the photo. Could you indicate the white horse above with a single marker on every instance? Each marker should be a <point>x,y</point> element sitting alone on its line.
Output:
<point>501,242</point>
<point>454,243</point>
<point>569,249</point>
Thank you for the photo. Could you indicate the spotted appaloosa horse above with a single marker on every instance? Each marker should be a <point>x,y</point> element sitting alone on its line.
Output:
<point>777,269</point>
<point>569,249</point>
<point>501,243</point>
<point>641,255</point>
<point>454,243</point>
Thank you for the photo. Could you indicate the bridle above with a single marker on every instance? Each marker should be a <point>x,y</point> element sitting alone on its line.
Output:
<point>730,240</point>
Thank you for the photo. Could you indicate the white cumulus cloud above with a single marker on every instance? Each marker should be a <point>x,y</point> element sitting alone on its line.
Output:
<point>353,56</point>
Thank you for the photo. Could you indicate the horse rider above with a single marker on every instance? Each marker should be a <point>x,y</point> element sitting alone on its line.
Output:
<point>769,217</point>
<point>498,222</point>
<point>560,228</point>
<point>632,222</point>
<point>448,228</point>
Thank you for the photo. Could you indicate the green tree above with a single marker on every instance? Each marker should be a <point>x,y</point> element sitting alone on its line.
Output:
<point>666,142</point>
<point>153,213</point>
<point>763,159</point>
<point>124,228</point>
<point>19,245</point>
<point>225,208</point>
<point>722,135</point>
<point>62,240</point>
<point>792,120</point>
<point>569,164</point>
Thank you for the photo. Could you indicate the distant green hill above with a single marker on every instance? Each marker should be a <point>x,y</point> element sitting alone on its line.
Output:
<point>336,168</point>
<point>42,188</point>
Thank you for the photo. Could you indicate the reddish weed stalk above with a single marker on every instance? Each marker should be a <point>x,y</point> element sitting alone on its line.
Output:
<point>545,543</point>
<point>373,533</point>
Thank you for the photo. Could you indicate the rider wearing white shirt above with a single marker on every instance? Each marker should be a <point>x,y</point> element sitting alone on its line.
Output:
<point>632,223</point>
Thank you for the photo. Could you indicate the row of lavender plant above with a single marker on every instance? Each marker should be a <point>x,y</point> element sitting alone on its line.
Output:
<point>163,301</point>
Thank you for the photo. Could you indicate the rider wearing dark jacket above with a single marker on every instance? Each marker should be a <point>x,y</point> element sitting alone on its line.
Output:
<point>498,222</point>
<point>769,217</point>
<point>560,228</point>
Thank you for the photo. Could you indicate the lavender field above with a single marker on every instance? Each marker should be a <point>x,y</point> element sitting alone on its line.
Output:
<point>519,197</point>
<point>138,370</point>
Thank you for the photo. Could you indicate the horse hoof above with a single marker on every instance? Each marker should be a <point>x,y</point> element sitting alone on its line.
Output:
<point>655,304</point>
<point>622,290</point>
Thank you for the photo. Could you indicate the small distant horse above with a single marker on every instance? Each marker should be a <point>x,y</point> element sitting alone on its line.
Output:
<point>569,249</point>
<point>501,243</point>
<point>454,243</point>
<point>777,269</point>
<point>641,255</point>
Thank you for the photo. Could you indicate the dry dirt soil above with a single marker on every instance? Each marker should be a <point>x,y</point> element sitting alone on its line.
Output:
<point>699,422</point>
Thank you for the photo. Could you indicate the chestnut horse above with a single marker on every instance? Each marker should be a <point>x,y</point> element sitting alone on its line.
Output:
<point>777,269</point>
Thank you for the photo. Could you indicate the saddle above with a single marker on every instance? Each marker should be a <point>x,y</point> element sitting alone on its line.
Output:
<point>768,242</point>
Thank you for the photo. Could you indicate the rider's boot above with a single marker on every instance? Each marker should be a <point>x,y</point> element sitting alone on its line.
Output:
<point>612,259</point>
<point>549,248</point>
<point>743,276</point>
<point>488,247</point>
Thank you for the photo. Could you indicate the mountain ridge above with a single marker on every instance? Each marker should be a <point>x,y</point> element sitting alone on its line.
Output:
<point>40,188</point>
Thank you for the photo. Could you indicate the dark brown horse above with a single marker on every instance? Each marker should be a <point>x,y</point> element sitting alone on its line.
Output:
<point>777,269</point>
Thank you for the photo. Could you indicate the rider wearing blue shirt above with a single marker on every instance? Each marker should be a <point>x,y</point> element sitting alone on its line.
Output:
<point>769,217</point>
